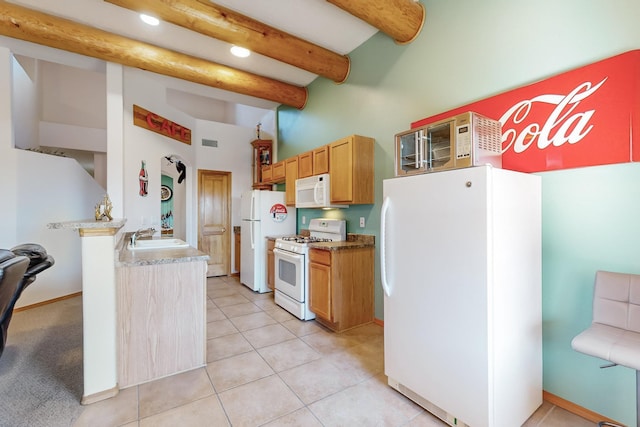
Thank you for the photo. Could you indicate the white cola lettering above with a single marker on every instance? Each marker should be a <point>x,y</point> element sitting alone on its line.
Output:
<point>562,125</point>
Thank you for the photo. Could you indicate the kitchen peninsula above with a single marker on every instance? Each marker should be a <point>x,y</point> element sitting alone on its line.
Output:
<point>144,311</point>
<point>161,304</point>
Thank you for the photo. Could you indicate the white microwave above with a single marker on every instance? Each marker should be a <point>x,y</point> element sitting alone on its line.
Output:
<point>314,192</point>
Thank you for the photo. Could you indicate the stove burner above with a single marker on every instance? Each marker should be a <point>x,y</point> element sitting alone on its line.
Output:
<point>305,239</point>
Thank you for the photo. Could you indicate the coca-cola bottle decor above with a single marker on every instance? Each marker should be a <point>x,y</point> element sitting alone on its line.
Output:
<point>144,180</point>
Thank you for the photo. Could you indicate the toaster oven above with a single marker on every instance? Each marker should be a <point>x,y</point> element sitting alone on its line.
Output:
<point>467,139</point>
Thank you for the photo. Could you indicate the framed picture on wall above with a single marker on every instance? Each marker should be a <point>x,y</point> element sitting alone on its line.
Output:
<point>165,193</point>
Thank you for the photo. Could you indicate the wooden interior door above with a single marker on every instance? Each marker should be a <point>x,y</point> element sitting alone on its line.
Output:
<point>214,237</point>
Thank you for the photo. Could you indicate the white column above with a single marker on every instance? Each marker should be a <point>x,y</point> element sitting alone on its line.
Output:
<point>100,362</point>
<point>99,314</point>
<point>115,137</point>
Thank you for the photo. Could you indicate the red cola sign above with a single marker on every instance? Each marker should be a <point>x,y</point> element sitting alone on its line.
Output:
<point>584,117</point>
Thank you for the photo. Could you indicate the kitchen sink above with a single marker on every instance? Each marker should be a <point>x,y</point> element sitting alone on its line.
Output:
<point>142,244</point>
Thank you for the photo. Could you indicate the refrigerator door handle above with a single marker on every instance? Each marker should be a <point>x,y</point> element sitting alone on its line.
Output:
<point>253,237</point>
<point>252,210</point>
<point>383,246</point>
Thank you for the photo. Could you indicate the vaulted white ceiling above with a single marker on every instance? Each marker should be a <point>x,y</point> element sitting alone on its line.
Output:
<point>315,21</point>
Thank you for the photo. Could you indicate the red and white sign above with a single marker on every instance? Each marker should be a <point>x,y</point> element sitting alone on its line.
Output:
<point>584,117</point>
<point>278,212</point>
<point>158,124</point>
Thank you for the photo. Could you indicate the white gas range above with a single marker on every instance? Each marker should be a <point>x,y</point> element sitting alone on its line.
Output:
<point>292,264</point>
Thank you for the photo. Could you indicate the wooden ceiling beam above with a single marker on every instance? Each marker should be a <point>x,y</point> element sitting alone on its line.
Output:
<point>26,24</point>
<point>402,20</point>
<point>227,25</point>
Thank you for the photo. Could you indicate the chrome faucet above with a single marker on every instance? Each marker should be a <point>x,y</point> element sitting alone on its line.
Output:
<point>143,232</point>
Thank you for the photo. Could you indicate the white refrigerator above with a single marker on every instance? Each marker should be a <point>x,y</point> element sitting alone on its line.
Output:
<point>461,274</point>
<point>264,213</point>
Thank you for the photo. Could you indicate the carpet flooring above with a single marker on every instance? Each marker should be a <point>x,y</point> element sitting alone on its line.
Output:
<point>41,379</point>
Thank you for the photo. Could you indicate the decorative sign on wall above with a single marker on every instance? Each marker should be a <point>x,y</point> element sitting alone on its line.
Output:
<point>584,117</point>
<point>143,177</point>
<point>158,124</point>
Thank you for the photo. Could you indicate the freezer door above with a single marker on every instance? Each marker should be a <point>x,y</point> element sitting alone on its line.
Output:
<point>276,218</point>
<point>435,248</point>
<point>267,200</point>
<point>249,205</point>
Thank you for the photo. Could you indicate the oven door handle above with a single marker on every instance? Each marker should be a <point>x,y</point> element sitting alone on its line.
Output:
<point>288,255</point>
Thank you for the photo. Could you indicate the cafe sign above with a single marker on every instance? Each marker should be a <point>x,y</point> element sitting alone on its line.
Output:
<point>584,117</point>
<point>158,124</point>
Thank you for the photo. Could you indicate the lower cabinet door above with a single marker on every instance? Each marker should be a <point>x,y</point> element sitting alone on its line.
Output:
<point>320,293</point>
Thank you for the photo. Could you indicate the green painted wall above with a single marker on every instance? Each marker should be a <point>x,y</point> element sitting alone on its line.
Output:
<point>590,222</point>
<point>467,51</point>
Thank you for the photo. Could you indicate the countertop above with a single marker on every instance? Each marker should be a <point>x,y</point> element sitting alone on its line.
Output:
<point>127,258</point>
<point>353,241</point>
<point>116,224</point>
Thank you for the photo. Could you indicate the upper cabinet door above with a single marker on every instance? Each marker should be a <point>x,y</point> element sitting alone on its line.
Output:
<point>279,172</point>
<point>291,172</point>
<point>351,167</point>
<point>305,164</point>
<point>341,175</point>
<point>267,174</point>
<point>321,160</point>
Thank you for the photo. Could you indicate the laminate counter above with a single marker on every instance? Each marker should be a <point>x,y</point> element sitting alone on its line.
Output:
<point>354,241</point>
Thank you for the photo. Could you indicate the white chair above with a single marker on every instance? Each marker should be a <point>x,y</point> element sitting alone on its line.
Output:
<point>614,334</point>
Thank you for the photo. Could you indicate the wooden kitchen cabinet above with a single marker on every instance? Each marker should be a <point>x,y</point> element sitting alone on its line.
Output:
<point>279,172</point>
<point>262,155</point>
<point>274,174</point>
<point>341,287</point>
<point>321,160</point>
<point>271,267</point>
<point>320,299</point>
<point>291,171</point>
<point>236,253</point>
<point>267,174</point>
<point>351,166</point>
<point>305,164</point>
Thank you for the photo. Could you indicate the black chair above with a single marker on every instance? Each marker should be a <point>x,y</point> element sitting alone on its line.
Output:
<point>39,261</point>
<point>12,269</point>
<point>18,269</point>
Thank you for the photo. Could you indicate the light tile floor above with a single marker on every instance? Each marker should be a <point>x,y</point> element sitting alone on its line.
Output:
<point>267,368</point>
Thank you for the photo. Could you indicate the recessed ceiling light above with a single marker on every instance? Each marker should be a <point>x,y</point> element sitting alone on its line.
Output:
<point>149,19</point>
<point>240,52</point>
